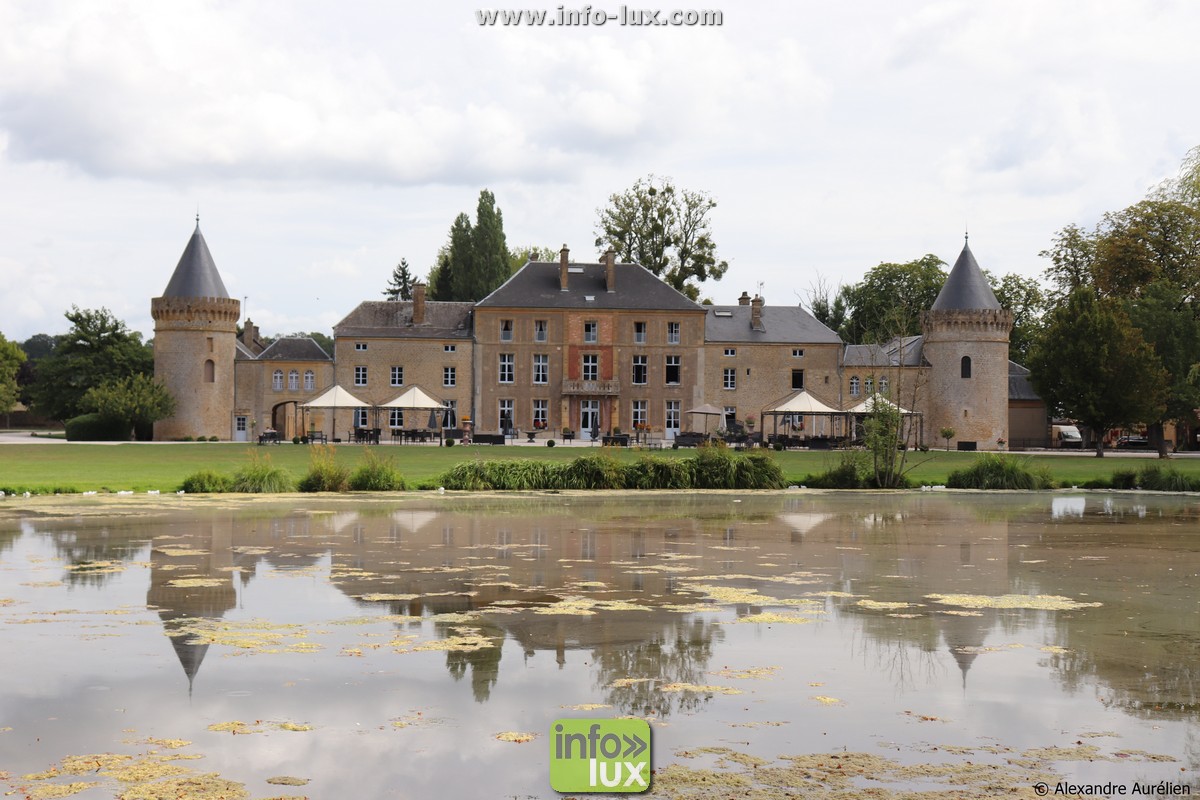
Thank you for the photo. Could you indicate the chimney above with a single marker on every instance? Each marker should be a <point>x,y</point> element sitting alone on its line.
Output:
<point>418,314</point>
<point>756,307</point>
<point>744,300</point>
<point>564,256</point>
<point>250,337</point>
<point>610,269</point>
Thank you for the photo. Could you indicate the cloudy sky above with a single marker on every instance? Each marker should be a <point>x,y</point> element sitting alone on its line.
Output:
<point>322,141</point>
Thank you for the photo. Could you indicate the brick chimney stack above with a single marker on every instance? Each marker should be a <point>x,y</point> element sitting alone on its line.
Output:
<point>250,337</point>
<point>564,257</point>
<point>744,300</point>
<point>610,270</point>
<point>756,307</point>
<point>418,314</point>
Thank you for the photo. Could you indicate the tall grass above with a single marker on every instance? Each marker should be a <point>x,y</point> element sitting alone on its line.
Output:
<point>260,476</point>
<point>758,471</point>
<point>205,481</point>
<point>715,467</point>
<point>997,471</point>
<point>848,474</point>
<point>377,474</point>
<point>324,473</point>
<point>649,472</point>
<point>594,472</point>
<point>1156,478</point>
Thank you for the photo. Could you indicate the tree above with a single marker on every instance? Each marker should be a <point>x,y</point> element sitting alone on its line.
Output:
<point>947,434</point>
<point>11,359</point>
<point>1072,258</point>
<point>98,348</point>
<point>890,299</point>
<point>1091,364</point>
<point>1169,323</point>
<point>136,401</point>
<point>475,258</point>
<point>1153,240</point>
<point>400,286</point>
<point>666,230</point>
<point>828,307</point>
<point>517,256</point>
<point>1027,302</point>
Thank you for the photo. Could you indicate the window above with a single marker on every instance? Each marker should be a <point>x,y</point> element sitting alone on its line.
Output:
<point>360,376</point>
<point>448,377</point>
<point>506,415</point>
<point>293,380</point>
<point>639,414</point>
<point>360,418</point>
<point>539,330</point>
<point>797,352</point>
<point>360,345</point>
<point>506,330</point>
<point>639,333</point>
<point>310,380</point>
<point>506,367</point>
<point>591,332</point>
<point>277,380</point>
<point>869,385</point>
<point>397,376</point>
<point>541,368</point>
<point>731,351</point>
<point>210,344</point>
<point>672,372</point>
<point>591,367</point>
<point>883,385</point>
<point>395,418</point>
<point>672,333</point>
<point>854,386</point>
<point>210,371</point>
<point>730,416</point>
<point>966,366</point>
<point>450,348</point>
<point>672,415</point>
<point>729,378</point>
<point>541,413</point>
<point>639,370</point>
<point>797,379</point>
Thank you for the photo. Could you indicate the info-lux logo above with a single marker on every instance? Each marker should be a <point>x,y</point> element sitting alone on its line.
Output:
<point>600,755</point>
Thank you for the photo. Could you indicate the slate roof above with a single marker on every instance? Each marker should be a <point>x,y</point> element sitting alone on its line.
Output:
<point>866,355</point>
<point>780,324</point>
<point>966,287</point>
<point>536,285</point>
<point>196,273</point>
<point>294,348</point>
<point>1019,386</point>
<point>909,348</point>
<point>393,318</point>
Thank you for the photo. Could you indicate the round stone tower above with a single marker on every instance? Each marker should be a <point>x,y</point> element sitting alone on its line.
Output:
<point>195,330</point>
<point>966,345</point>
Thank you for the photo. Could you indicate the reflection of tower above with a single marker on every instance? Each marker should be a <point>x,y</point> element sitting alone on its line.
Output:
<point>176,605</point>
<point>195,325</point>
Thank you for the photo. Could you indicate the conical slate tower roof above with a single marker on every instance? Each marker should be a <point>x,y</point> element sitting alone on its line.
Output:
<point>196,274</point>
<point>966,288</point>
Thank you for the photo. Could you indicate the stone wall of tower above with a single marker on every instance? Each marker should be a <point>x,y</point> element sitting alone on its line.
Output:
<point>189,334</point>
<point>975,407</point>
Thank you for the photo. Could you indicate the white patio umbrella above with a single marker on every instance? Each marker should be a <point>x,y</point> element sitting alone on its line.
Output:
<point>414,398</point>
<point>707,410</point>
<point>334,397</point>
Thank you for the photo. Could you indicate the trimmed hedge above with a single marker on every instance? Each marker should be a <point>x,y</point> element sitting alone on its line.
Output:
<point>96,428</point>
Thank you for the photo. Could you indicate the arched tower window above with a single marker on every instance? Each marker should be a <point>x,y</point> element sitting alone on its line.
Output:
<point>310,380</point>
<point>854,384</point>
<point>966,366</point>
<point>294,380</point>
<point>277,380</point>
<point>210,371</point>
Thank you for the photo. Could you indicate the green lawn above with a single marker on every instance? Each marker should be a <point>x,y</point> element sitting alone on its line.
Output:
<point>138,467</point>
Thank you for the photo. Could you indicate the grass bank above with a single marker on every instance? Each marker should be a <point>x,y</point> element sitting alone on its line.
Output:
<point>140,467</point>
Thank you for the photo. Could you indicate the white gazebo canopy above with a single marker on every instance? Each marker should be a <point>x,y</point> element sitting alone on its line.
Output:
<point>801,402</point>
<point>868,405</point>
<point>414,397</point>
<point>335,397</point>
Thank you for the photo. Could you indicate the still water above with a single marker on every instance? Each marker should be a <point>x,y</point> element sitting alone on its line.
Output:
<point>384,648</point>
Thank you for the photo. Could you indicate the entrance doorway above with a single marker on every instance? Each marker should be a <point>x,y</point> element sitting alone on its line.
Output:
<point>239,429</point>
<point>671,428</point>
<point>589,418</point>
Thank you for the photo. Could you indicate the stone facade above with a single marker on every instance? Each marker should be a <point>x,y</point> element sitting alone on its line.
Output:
<point>194,351</point>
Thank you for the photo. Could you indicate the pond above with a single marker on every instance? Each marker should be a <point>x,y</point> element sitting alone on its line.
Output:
<point>779,644</point>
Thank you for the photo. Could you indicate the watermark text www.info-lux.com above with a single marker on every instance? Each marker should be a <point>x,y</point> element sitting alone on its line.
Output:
<point>627,16</point>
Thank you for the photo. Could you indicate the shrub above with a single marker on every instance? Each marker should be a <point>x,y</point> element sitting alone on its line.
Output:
<point>778,447</point>
<point>714,467</point>
<point>1155,478</point>
<point>549,443</point>
<point>260,476</point>
<point>1125,479</point>
<point>295,440</point>
<point>593,472</point>
<point>377,474</point>
<point>214,439</point>
<point>187,439</point>
<point>449,443</point>
<point>324,473</point>
<point>758,471</point>
<point>97,428</point>
<point>848,474</point>
<point>650,472</point>
<point>468,476</point>
<point>997,471</point>
<point>205,482</point>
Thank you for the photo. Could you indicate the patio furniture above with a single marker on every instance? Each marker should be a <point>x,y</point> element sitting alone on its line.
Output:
<point>317,437</point>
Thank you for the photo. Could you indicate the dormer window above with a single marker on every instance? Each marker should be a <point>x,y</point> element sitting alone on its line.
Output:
<point>506,330</point>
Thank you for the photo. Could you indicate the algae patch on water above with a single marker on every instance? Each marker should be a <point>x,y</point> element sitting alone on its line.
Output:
<point>517,737</point>
<point>1039,602</point>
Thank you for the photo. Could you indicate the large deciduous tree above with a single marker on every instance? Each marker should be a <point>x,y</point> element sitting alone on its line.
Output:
<point>136,402</point>
<point>666,229</point>
<point>98,348</point>
<point>11,359</point>
<point>1092,364</point>
<point>1027,302</point>
<point>889,300</point>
